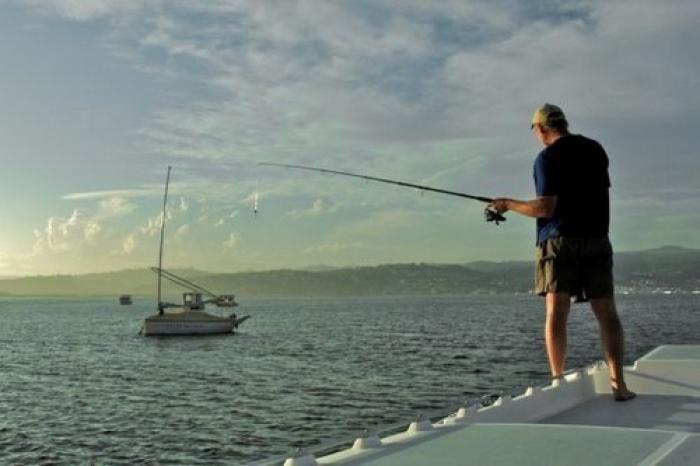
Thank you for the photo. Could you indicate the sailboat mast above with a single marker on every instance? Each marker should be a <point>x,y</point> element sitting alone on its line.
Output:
<point>162,235</point>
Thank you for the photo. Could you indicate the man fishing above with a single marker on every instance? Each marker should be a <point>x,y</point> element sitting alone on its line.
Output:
<point>574,255</point>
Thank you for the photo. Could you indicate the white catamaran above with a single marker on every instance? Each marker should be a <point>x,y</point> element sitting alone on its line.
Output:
<point>188,318</point>
<point>572,422</point>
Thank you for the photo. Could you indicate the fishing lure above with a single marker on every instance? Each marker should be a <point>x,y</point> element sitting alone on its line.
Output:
<point>255,199</point>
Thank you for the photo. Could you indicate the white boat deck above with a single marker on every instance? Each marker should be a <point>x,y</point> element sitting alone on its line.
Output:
<point>572,422</point>
<point>656,412</point>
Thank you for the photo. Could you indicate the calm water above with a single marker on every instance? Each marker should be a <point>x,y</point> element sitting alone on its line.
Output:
<point>78,386</point>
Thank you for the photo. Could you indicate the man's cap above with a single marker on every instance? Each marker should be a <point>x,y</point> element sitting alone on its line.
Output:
<point>547,115</point>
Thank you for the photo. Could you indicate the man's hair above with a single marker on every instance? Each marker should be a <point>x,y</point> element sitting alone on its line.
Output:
<point>552,117</point>
<point>560,126</point>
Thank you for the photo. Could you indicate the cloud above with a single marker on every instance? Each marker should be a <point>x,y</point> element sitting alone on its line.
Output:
<point>312,79</point>
<point>116,193</point>
<point>414,90</point>
<point>152,225</point>
<point>85,10</point>
<point>388,72</point>
<point>332,247</point>
<point>182,230</point>
<point>379,224</point>
<point>508,73</point>
<point>84,227</point>
<point>231,241</point>
<point>319,206</point>
<point>63,234</point>
<point>129,245</point>
<point>114,207</point>
<point>389,82</point>
<point>92,230</point>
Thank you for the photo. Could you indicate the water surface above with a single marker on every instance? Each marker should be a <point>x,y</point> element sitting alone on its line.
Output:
<point>79,386</point>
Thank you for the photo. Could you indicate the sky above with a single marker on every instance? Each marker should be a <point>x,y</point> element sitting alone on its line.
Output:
<point>98,97</point>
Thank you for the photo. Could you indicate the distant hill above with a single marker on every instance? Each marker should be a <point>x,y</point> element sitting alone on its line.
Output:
<point>132,281</point>
<point>667,268</point>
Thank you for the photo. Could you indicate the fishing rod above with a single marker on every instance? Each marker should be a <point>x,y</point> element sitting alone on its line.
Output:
<point>491,215</point>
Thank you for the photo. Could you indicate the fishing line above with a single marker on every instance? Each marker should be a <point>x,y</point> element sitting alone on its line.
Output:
<point>255,199</point>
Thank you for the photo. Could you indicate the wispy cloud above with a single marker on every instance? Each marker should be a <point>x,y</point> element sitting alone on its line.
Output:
<point>81,227</point>
<point>438,92</point>
<point>338,81</point>
<point>152,225</point>
<point>182,231</point>
<point>231,242</point>
<point>129,245</point>
<point>114,207</point>
<point>117,193</point>
<point>347,76</point>
<point>59,233</point>
<point>332,247</point>
<point>319,206</point>
<point>85,10</point>
<point>381,224</point>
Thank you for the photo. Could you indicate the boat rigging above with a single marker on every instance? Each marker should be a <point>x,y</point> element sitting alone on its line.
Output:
<point>188,318</point>
<point>162,235</point>
<point>225,300</point>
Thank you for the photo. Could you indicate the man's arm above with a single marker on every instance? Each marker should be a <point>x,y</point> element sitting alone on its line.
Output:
<point>542,207</point>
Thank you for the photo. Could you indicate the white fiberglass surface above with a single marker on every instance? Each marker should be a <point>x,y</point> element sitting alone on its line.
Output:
<point>527,444</point>
<point>661,412</point>
<point>674,352</point>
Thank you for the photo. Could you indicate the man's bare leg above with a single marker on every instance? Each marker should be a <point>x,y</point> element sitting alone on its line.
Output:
<point>612,338</point>
<point>557,306</point>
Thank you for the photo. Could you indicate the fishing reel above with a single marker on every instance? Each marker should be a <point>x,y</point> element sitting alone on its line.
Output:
<point>493,216</point>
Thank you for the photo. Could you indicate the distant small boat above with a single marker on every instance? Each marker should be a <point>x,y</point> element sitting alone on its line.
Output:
<point>188,318</point>
<point>125,300</point>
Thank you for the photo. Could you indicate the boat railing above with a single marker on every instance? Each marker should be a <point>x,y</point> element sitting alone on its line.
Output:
<point>381,431</point>
<point>385,430</point>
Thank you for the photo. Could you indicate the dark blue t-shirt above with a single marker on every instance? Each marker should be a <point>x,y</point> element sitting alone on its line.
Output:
<point>575,169</point>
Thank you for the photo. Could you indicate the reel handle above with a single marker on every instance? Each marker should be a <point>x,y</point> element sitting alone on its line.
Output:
<point>493,216</point>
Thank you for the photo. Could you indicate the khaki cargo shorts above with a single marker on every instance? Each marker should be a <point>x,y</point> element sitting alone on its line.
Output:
<point>580,266</point>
